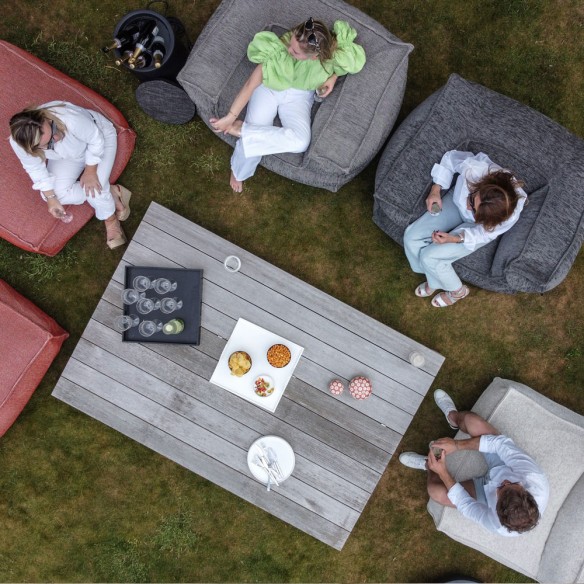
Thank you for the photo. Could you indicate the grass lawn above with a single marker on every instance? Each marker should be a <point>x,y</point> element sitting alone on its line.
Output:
<point>80,502</point>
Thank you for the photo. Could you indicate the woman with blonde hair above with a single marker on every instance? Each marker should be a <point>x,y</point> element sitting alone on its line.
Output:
<point>487,201</point>
<point>68,152</point>
<point>290,68</point>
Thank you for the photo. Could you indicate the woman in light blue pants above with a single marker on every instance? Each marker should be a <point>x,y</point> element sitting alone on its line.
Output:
<point>486,202</point>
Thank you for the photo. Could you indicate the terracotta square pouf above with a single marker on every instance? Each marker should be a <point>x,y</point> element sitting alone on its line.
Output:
<point>29,341</point>
<point>25,81</point>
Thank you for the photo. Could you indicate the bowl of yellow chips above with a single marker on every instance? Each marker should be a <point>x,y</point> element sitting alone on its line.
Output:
<point>239,363</point>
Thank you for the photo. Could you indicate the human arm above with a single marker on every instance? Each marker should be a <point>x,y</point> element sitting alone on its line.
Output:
<point>35,167</point>
<point>326,88</point>
<point>241,100</point>
<point>349,57</point>
<point>443,173</point>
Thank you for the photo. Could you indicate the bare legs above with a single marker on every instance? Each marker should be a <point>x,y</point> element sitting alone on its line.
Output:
<point>473,425</point>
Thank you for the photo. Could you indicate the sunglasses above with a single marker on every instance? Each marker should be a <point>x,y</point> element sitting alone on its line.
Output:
<point>51,143</point>
<point>311,38</point>
<point>471,199</point>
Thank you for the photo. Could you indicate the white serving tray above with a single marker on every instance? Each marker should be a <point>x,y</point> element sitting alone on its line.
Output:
<point>255,341</point>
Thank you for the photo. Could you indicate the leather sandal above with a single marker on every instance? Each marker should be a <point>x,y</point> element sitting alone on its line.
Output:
<point>423,290</point>
<point>114,233</point>
<point>449,298</point>
<point>124,196</point>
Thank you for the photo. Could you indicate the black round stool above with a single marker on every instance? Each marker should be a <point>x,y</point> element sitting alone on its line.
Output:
<point>165,101</point>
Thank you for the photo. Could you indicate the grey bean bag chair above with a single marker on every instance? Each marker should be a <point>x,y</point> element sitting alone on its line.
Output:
<point>554,437</point>
<point>352,123</point>
<point>537,253</point>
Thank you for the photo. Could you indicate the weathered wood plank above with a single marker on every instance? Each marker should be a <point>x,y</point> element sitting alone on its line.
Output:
<point>171,447</point>
<point>218,248</point>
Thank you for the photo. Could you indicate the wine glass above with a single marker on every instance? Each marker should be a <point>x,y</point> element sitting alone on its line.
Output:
<point>148,327</point>
<point>146,305</point>
<point>163,286</point>
<point>168,305</point>
<point>142,283</point>
<point>123,322</point>
<point>130,296</point>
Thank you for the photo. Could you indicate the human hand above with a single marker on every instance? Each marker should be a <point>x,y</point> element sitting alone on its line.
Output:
<point>443,237</point>
<point>222,125</point>
<point>55,208</point>
<point>90,182</point>
<point>327,87</point>
<point>433,197</point>
<point>448,445</point>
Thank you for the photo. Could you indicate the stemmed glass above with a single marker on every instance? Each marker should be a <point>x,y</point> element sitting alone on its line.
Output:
<point>148,327</point>
<point>142,283</point>
<point>123,322</point>
<point>163,286</point>
<point>146,305</point>
<point>168,305</point>
<point>130,296</point>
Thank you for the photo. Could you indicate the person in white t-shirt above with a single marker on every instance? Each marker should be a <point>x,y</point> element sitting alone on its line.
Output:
<point>509,499</point>
<point>68,152</point>
<point>486,202</point>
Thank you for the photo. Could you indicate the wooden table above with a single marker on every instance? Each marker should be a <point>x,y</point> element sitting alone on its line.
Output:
<point>160,395</point>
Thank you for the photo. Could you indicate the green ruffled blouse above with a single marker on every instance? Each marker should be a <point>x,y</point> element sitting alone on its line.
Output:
<point>282,71</point>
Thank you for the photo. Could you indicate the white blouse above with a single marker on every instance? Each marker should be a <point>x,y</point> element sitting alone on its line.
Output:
<point>472,167</point>
<point>83,140</point>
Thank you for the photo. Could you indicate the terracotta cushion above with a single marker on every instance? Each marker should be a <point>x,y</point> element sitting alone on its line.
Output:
<point>26,80</point>
<point>29,341</point>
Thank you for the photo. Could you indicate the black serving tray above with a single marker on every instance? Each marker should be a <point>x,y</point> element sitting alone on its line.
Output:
<point>189,290</point>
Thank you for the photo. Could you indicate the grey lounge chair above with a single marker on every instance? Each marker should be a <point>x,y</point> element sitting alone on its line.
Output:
<point>349,127</point>
<point>537,253</point>
<point>554,437</point>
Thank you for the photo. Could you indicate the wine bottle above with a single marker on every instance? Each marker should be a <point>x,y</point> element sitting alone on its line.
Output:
<point>145,39</point>
<point>143,60</point>
<point>158,50</point>
<point>129,36</point>
<point>123,58</point>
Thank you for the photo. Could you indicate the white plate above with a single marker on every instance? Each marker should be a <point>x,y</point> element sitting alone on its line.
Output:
<point>276,448</point>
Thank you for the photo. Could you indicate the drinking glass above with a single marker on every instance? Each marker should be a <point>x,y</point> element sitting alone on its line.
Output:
<point>148,327</point>
<point>163,286</point>
<point>123,323</point>
<point>146,305</point>
<point>168,305</point>
<point>130,296</point>
<point>142,283</point>
<point>65,216</point>
<point>232,263</point>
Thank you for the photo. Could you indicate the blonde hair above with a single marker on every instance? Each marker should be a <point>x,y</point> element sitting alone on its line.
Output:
<point>26,128</point>
<point>326,41</point>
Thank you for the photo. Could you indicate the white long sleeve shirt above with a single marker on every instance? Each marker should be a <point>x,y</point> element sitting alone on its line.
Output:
<point>83,140</point>
<point>472,167</point>
<point>517,467</point>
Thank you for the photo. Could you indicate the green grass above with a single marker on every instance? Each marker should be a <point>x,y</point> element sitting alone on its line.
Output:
<point>80,502</point>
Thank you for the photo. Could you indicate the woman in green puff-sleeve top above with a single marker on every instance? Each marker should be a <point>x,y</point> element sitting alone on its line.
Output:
<point>290,68</point>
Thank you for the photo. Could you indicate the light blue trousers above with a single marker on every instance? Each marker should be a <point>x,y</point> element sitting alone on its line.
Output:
<point>435,259</point>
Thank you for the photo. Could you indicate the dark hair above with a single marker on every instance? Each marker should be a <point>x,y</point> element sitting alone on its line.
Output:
<point>326,40</point>
<point>517,510</point>
<point>498,197</point>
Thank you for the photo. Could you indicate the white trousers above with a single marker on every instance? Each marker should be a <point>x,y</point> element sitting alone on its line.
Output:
<point>66,172</point>
<point>260,137</point>
<point>435,259</point>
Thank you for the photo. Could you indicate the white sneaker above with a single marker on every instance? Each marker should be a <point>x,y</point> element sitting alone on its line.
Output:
<point>445,403</point>
<point>413,460</point>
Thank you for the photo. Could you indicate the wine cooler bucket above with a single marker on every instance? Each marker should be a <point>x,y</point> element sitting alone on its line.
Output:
<point>163,47</point>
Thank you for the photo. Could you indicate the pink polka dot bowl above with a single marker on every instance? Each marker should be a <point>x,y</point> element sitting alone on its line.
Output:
<point>336,387</point>
<point>360,387</point>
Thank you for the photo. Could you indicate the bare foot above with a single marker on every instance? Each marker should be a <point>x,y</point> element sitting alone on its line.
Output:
<point>235,129</point>
<point>236,185</point>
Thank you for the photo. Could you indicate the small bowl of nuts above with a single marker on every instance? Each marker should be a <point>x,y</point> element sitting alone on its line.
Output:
<point>279,356</point>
